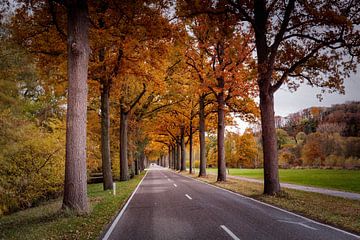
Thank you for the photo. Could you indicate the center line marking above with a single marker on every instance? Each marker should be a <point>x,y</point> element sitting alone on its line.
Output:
<point>175,185</point>
<point>229,232</point>
<point>188,196</point>
<point>169,179</point>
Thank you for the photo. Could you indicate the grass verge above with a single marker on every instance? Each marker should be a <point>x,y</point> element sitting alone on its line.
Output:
<point>48,222</point>
<point>335,211</point>
<point>339,179</point>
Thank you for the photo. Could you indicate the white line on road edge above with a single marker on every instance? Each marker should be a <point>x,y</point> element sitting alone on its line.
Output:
<point>108,233</point>
<point>175,185</point>
<point>188,196</point>
<point>229,232</point>
<point>280,209</point>
<point>298,223</point>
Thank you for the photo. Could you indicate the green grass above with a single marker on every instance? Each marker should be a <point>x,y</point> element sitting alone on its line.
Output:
<point>48,222</point>
<point>336,211</point>
<point>346,180</point>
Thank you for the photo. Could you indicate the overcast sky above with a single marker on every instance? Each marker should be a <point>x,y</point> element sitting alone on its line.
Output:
<point>289,102</point>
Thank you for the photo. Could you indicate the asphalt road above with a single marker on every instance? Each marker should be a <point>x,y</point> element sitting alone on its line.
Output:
<point>167,205</point>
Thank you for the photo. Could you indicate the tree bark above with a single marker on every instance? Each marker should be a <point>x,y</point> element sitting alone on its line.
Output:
<point>174,157</point>
<point>136,166</point>
<point>178,157</point>
<point>183,150</point>
<point>191,149</point>
<point>271,176</point>
<point>124,172</point>
<point>105,86</point>
<point>221,137</point>
<point>169,156</point>
<point>265,71</point>
<point>105,136</point>
<point>202,170</point>
<point>142,161</point>
<point>75,185</point>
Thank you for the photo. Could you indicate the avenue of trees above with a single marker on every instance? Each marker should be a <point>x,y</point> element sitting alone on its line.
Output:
<point>104,86</point>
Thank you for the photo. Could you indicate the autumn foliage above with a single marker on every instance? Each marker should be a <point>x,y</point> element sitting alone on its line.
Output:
<point>165,80</point>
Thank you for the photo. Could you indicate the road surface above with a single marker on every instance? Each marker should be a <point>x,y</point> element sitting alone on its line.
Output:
<point>167,205</point>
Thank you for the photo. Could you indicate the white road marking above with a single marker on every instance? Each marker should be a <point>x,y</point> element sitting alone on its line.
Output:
<point>188,196</point>
<point>229,232</point>
<point>175,185</point>
<point>108,233</point>
<point>298,223</point>
<point>169,179</point>
<point>280,209</point>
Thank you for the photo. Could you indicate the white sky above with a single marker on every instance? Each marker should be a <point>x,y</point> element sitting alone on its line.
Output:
<point>305,97</point>
<point>287,102</point>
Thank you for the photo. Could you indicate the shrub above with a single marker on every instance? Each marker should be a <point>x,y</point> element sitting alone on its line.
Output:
<point>32,163</point>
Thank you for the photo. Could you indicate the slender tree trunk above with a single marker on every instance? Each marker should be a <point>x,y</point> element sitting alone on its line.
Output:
<point>178,157</point>
<point>183,150</point>
<point>221,138</point>
<point>136,166</point>
<point>271,176</point>
<point>124,173</point>
<point>174,157</point>
<point>169,156</point>
<point>191,149</point>
<point>142,163</point>
<point>75,185</point>
<point>105,136</point>
<point>202,170</point>
<point>105,86</point>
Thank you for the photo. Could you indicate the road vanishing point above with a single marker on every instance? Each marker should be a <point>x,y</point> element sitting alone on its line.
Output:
<point>167,205</point>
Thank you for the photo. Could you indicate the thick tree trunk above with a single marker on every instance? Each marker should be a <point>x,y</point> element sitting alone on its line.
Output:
<point>105,136</point>
<point>178,157</point>
<point>191,149</point>
<point>183,150</point>
<point>221,138</point>
<point>271,175</point>
<point>75,185</point>
<point>202,170</point>
<point>124,173</point>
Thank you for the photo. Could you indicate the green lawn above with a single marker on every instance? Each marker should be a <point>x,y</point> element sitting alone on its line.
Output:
<point>346,180</point>
<point>48,222</point>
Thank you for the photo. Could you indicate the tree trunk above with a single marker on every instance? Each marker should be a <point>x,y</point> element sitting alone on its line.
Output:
<point>105,136</point>
<point>124,173</point>
<point>221,138</point>
<point>178,156</point>
<point>191,149</point>
<point>271,176</point>
<point>183,150</point>
<point>136,166</point>
<point>202,170</point>
<point>169,156</point>
<point>75,185</point>
<point>174,157</point>
<point>142,161</point>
